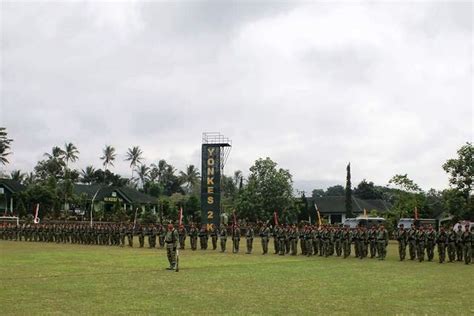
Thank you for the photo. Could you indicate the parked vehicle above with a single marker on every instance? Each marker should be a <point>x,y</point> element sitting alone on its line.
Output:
<point>365,221</point>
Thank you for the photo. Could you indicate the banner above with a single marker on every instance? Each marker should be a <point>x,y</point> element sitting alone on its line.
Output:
<point>211,184</point>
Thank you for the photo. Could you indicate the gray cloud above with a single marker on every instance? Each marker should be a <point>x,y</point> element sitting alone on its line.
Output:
<point>311,85</point>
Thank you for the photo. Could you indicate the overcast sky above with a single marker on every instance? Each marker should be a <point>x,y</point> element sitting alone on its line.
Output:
<point>311,85</point>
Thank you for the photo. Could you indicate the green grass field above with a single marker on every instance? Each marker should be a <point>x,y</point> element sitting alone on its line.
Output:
<point>38,278</point>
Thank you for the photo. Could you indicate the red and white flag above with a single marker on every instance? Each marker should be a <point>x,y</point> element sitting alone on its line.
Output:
<point>180,216</point>
<point>275,218</point>
<point>36,220</point>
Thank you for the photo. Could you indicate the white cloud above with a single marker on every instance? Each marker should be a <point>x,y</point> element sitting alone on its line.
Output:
<point>312,85</point>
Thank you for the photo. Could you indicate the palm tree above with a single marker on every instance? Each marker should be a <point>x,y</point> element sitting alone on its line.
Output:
<point>109,156</point>
<point>4,146</point>
<point>70,153</point>
<point>143,172</point>
<point>30,178</point>
<point>190,177</point>
<point>17,175</point>
<point>134,155</point>
<point>87,175</point>
<point>56,153</point>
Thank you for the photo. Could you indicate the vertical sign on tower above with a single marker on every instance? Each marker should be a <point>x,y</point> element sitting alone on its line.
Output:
<point>211,184</point>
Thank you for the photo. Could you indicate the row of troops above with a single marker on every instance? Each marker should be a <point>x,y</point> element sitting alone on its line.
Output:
<point>421,241</point>
<point>324,240</point>
<point>97,234</point>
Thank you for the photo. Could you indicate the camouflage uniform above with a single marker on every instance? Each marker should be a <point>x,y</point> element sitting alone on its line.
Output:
<point>265,236</point>
<point>249,234</point>
<point>442,241</point>
<point>172,244</point>
<point>223,237</point>
<point>382,242</point>
<point>401,236</point>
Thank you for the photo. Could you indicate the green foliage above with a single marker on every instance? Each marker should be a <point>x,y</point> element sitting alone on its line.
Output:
<point>135,156</point>
<point>268,190</point>
<point>367,191</point>
<point>45,195</point>
<point>317,193</point>
<point>336,190</point>
<point>302,208</point>
<point>108,156</point>
<point>190,178</point>
<point>461,169</point>
<point>456,204</point>
<point>5,145</point>
<point>70,153</point>
<point>348,193</point>
<point>404,183</point>
<point>148,217</point>
<point>192,208</point>
<point>18,176</point>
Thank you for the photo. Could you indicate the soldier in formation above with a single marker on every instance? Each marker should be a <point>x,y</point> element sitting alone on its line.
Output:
<point>265,237</point>
<point>182,236</point>
<point>324,240</point>
<point>236,239</point>
<point>249,234</point>
<point>193,234</point>
<point>223,237</point>
<point>214,234</point>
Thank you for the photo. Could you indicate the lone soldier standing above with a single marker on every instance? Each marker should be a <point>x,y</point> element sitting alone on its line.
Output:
<point>223,236</point>
<point>382,242</point>
<point>401,236</point>
<point>172,243</point>
<point>265,235</point>
<point>442,241</point>
<point>249,234</point>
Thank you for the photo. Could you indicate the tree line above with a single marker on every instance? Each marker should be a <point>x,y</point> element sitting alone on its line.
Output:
<point>267,188</point>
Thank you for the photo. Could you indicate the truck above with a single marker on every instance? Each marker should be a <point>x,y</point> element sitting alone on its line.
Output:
<point>365,221</point>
